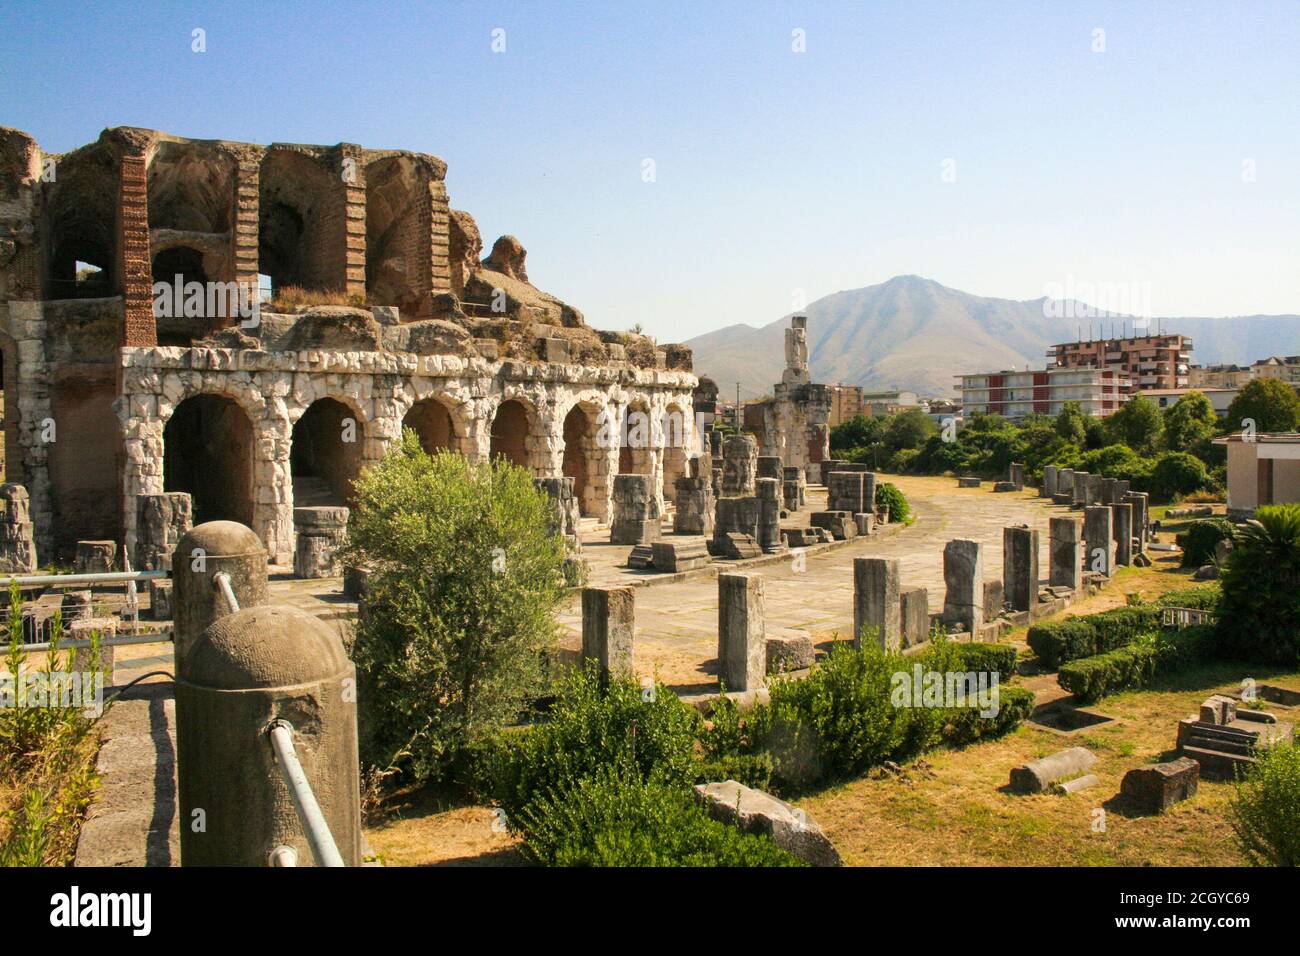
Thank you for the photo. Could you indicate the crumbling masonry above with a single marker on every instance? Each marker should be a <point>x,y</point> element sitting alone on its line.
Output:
<point>109,396</point>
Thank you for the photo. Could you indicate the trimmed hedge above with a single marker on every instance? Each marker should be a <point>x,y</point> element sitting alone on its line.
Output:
<point>1134,666</point>
<point>1057,642</point>
<point>997,659</point>
<point>1015,704</point>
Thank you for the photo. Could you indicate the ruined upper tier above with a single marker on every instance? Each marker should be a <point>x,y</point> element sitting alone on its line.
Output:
<point>339,226</point>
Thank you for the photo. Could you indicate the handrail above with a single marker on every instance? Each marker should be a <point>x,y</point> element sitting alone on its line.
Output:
<point>106,577</point>
<point>314,826</point>
<point>122,640</point>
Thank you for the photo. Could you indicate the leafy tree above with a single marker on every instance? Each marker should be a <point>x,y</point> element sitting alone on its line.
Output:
<point>1260,614</point>
<point>464,578</point>
<point>1071,423</point>
<point>908,429</point>
<point>1136,423</point>
<point>858,432</point>
<point>1176,474</point>
<point>1271,403</point>
<point>1189,423</point>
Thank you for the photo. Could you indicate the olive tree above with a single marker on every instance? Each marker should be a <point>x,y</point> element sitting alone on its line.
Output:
<point>464,576</point>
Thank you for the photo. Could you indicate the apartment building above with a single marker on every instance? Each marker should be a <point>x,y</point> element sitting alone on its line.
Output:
<point>1150,361</point>
<point>1219,376</point>
<point>1014,395</point>
<point>849,401</point>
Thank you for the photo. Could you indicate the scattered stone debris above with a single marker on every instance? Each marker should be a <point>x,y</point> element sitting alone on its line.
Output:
<point>755,811</point>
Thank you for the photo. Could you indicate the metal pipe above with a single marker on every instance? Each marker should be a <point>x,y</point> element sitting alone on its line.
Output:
<point>221,581</point>
<point>310,816</point>
<point>55,580</point>
<point>283,856</point>
<point>160,637</point>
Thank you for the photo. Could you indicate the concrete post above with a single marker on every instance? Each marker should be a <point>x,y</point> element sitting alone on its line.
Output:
<point>1122,516</point>
<point>608,627</point>
<point>963,575</point>
<point>1020,567</point>
<point>1066,560</point>
<point>742,643</point>
<point>202,553</point>
<point>1097,523</point>
<point>877,601</point>
<point>246,671</point>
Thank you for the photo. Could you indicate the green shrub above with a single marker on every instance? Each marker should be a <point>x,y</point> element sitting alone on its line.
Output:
<point>1266,807</point>
<point>1200,539</point>
<point>753,770</point>
<point>465,578</point>
<point>1176,474</point>
<point>1260,613</point>
<point>616,818</point>
<point>1091,678</point>
<point>999,659</point>
<point>1056,642</point>
<point>1188,647</point>
<point>593,726</point>
<point>1015,704</point>
<point>891,500</point>
<point>1203,598</point>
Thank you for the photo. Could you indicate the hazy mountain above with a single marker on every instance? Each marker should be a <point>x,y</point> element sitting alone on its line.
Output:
<point>914,333</point>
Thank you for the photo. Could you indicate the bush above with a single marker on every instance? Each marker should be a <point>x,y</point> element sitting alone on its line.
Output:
<point>892,501</point>
<point>1176,474</point>
<point>753,770</point>
<point>616,818</point>
<point>1015,704</point>
<point>1056,642</point>
<point>1200,539</point>
<point>465,577</point>
<point>1266,807</point>
<point>1203,598</point>
<point>593,726</point>
<point>1260,613</point>
<point>1091,678</point>
<point>997,659</point>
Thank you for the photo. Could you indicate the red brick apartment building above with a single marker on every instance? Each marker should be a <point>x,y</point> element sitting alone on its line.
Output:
<point>1150,361</point>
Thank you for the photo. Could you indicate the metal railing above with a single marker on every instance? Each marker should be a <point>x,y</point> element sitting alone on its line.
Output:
<point>314,826</point>
<point>221,581</point>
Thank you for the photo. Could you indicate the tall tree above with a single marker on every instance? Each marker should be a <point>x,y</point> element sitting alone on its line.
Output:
<point>1189,422</point>
<point>1137,424</point>
<point>1270,403</point>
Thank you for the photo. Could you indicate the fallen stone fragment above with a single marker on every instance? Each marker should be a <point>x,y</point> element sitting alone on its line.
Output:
<point>1156,788</point>
<point>1037,775</point>
<point>754,811</point>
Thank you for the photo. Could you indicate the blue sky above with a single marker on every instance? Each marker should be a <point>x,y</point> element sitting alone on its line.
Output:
<point>777,173</point>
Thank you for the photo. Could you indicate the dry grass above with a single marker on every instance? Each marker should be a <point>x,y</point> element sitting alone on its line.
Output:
<point>289,297</point>
<point>444,836</point>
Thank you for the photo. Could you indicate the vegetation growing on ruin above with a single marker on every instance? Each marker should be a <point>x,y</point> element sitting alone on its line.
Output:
<point>47,758</point>
<point>1169,454</point>
<point>465,577</point>
<point>1266,806</point>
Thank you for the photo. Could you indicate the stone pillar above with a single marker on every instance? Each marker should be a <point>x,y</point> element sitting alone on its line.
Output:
<point>694,514</point>
<point>1064,486</point>
<point>1121,489</point>
<point>845,491</point>
<point>17,543</point>
<point>963,575</point>
<point>1020,567</point>
<point>1048,487</point>
<point>263,667</point>
<point>1080,489</point>
<point>877,602</point>
<point>608,627</point>
<point>1097,524</point>
<point>204,551</point>
<point>636,510</point>
<point>742,643</point>
<point>321,531</point>
<point>161,520</point>
<point>1016,475</point>
<point>96,557</point>
<point>1065,554</point>
<point>793,473</point>
<point>564,514</point>
<point>1092,491</point>
<point>915,605</point>
<point>768,466</point>
<point>1122,515</point>
<point>1107,495</point>
<point>769,514</point>
<point>739,466</point>
<point>135,263</point>
<point>1138,499</point>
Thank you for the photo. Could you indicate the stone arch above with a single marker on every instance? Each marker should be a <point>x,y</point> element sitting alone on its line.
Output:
<point>326,452</point>
<point>208,446</point>
<point>437,423</point>
<point>191,189</point>
<point>81,223</point>
<point>584,460</point>
<point>637,440</point>
<point>512,432</point>
<point>676,432</point>
<point>299,203</point>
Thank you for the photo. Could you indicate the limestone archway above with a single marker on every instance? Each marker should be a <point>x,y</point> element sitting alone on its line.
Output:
<point>636,453</point>
<point>325,455</point>
<point>208,445</point>
<point>584,461</point>
<point>434,424</point>
<point>510,432</point>
<point>676,429</point>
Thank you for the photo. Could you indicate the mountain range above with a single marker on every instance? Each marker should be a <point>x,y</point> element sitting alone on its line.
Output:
<point>913,333</point>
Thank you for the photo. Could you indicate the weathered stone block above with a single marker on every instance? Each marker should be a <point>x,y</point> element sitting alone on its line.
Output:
<point>673,555</point>
<point>914,605</point>
<point>754,811</point>
<point>742,644</point>
<point>96,557</point>
<point>1020,567</point>
<point>608,627</point>
<point>877,602</point>
<point>789,652</point>
<point>160,599</point>
<point>1037,775</point>
<point>1097,524</point>
<point>1065,553</point>
<point>636,510</point>
<point>963,575</point>
<point>839,523</point>
<point>1158,787</point>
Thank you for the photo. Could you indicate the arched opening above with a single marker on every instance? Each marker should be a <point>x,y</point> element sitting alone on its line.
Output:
<point>300,229</point>
<point>208,452</point>
<point>191,189</point>
<point>394,186</point>
<point>636,453</point>
<point>82,226</point>
<point>431,420</point>
<point>582,461</point>
<point>676,436</point>
<point>510,431</point>
<point>325,457</point>
<point>179,261</point>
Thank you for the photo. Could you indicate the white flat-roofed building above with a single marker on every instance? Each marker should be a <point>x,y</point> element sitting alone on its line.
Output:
<point>1015,395</point>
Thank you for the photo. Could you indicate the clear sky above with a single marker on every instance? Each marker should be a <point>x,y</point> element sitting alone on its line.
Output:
<point>1169,160</point>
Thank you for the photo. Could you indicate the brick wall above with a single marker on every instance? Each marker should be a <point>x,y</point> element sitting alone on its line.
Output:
<point>134,261</point>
